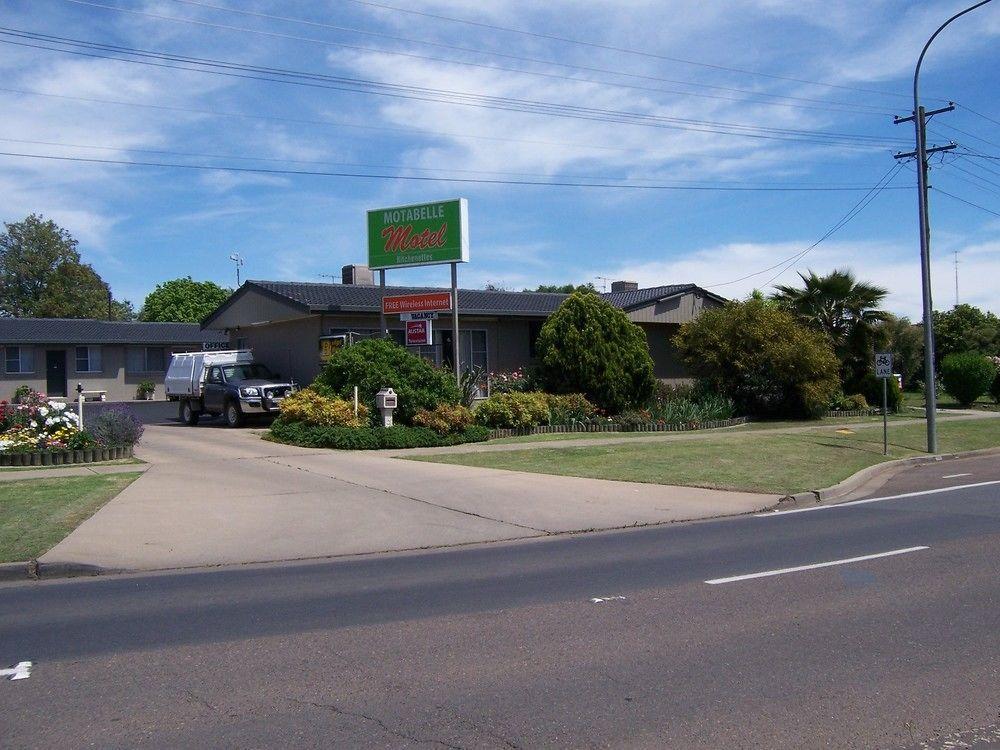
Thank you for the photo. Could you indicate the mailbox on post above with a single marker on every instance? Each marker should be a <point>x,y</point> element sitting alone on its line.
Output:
<point>385,402</point>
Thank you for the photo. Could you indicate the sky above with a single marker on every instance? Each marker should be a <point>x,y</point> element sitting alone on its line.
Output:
<point>710,143</point>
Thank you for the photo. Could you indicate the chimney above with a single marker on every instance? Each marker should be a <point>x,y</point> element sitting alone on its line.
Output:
<point>357,275</point>
<point>624,286</point>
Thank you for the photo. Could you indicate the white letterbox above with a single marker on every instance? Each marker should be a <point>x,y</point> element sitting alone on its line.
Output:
<point>385,401</point>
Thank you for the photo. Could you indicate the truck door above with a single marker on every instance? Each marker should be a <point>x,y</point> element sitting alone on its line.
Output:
<point>215,390</point>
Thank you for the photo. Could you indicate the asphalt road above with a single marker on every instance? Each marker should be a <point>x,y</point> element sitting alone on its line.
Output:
<point>504,646</point>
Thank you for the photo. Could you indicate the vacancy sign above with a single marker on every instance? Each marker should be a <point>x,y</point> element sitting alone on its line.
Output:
<point>419,333</point>
<point>412,303</point>
<point>423,234</point>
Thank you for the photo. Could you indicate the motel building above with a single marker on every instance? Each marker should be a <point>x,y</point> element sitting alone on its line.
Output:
<point>292,326</point>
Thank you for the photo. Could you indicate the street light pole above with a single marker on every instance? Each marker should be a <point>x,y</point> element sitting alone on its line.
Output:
<point>920,127</point>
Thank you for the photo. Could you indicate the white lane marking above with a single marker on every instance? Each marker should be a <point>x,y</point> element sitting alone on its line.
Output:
<point>599,599</point>
<point>813,566</point>
<point>20,671</point>
<point>955,476</point>
<point>833,506</point>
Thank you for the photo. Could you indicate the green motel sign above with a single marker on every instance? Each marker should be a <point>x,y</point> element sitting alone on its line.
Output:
<point>423,234</point>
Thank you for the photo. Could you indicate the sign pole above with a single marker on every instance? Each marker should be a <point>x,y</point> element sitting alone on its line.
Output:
<point>885,416</point>
<point>454,322</point>
<point>381,318</point>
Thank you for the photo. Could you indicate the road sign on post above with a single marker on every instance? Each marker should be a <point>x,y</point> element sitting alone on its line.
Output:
<point>883,371</point>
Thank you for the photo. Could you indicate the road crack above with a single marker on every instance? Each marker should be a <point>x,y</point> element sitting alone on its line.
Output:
<point>410,497</point>
<point>377,721</point>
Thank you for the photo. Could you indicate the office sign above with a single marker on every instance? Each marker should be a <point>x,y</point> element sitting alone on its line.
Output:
<point>419,333</point>
<point>414,303</point>
<point>883,365</point>
<point>423,234</point>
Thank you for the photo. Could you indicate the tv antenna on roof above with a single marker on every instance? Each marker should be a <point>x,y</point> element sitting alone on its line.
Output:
<point>238,260</point>
<point>604,282</point>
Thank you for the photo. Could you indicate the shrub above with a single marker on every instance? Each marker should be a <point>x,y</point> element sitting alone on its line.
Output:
<point>444,419</point>
<point>967,376</point>
<point>856,402</point>
<point>995,386</point>
<point>762,358</point>
<point>116,427</point>
<point>374,364</point>
<point>24,393</point>
<point>370,438</point>
<point>870,388</point>
<point>513,410</point>
<point>566,408</point>
<point>509,382</point>
<point>81,441</point>
<point>633,419</point>
<point>310,407</point>
<point>589,346</point>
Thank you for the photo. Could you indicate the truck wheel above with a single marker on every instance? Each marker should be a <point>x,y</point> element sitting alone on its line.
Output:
<point>188,415</point>
<point>234,415</point>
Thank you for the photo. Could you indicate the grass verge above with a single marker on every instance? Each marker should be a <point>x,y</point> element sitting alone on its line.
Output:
<point>756,462</point>
<point>118,462</point>
<point>36,514</point>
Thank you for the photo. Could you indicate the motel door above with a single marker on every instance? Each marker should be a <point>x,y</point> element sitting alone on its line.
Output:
<point>55,372</point>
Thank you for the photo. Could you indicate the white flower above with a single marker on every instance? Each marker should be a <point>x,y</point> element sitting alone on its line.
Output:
<point>34,424</point>
<point>50,421</point>
<point>43,411</point>
<point>57,405</point>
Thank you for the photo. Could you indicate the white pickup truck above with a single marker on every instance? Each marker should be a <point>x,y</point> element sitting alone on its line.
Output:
<point>229,383</point>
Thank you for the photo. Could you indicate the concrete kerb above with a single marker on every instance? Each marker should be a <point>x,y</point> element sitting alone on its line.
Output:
<point>883,470</point>
<point>32,570</point>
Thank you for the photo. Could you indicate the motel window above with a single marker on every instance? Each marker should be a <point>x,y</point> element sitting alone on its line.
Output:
<point>142,359</point>
<point>88,359</point>
<point>18,359</point>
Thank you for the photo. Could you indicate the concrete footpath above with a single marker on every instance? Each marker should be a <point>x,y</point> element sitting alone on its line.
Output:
<point>212,495</point>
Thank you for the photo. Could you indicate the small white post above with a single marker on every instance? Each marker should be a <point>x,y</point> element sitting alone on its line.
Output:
<point>79,407</point>
<point>355,401</point>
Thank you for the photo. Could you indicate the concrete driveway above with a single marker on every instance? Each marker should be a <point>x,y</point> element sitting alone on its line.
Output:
<point>218,496</point>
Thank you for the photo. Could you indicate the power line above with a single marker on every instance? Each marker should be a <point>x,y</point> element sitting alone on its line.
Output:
<point>568,40</point>
<point>820,104</point>
<point>963,200</point>
<point>979,114</point>
<point>419,178</point>
<point>878,187</point>
<point>825,187</point>
<point>353,85</point>
<point>966,132</point>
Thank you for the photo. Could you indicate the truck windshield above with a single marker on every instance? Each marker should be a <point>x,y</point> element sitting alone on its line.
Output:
<point>236,373</point>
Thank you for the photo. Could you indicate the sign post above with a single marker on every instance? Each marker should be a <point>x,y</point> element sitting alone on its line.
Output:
<point>422,234</point>
<point>883,371</point>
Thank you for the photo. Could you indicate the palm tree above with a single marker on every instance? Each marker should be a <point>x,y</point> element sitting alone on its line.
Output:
<point>845,309</point>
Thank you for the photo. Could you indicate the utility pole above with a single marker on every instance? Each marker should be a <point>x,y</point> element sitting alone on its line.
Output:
<point>919,118</point>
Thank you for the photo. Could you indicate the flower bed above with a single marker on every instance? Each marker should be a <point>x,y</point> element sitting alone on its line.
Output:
<point>612,427</point>
<point>65,457</point>
<point>36,431</point>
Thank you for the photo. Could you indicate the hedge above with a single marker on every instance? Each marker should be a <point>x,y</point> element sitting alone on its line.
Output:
<point>370,438</point>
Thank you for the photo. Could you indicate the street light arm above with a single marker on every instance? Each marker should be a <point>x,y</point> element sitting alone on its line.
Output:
<point>920,60</point>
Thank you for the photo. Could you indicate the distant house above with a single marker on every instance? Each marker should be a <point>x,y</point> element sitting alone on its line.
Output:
<point>52,355</point>
<point>284,321</point>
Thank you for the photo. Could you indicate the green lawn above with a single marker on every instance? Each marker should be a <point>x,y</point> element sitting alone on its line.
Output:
<point>36,514</point>
<point>776,463</point>
<point>946,401</point>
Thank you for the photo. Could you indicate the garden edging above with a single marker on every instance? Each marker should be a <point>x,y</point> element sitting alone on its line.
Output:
<point>66,457</point>
<point>505,432</point>
<point>859,478</point>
